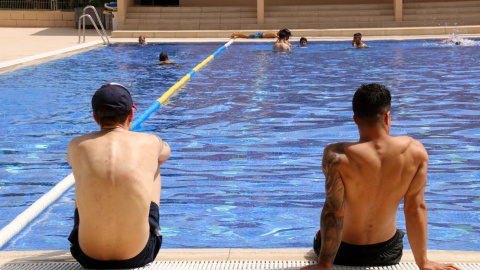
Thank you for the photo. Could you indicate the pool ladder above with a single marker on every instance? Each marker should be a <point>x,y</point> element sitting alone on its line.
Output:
<point>82,19</point>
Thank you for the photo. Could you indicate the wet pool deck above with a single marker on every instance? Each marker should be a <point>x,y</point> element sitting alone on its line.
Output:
<point>21,47</point>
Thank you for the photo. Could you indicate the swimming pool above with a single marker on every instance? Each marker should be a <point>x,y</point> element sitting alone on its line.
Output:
<point>247,134</point>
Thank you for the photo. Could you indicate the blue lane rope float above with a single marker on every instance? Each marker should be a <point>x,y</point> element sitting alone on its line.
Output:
<point>158,103</point>
<point>14,227</point>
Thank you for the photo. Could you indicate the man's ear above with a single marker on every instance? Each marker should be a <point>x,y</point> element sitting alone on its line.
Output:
<point>387,119</point>
<point>95,118</point>
<point>130,115</point>
<point>355,119</point>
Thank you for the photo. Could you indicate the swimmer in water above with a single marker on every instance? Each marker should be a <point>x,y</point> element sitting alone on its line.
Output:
<point>449,40</point>
<point>303,41</point>
<point>282,43</point>
<point>164,60</point>
<point>357,41</point>
<point>142,40</point>
<point>452,40</point>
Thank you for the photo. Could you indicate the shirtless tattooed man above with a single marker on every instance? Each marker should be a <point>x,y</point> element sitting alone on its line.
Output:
<point>117,187</point>
<point>365,182</point>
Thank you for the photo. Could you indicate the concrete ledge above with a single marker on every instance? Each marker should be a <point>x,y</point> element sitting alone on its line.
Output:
<point>393,31</point>
<point>230,254</point>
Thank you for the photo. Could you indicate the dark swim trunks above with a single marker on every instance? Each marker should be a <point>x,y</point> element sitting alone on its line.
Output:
<point>256,35</point>
<point>385,253</point>
<point>147,255</point>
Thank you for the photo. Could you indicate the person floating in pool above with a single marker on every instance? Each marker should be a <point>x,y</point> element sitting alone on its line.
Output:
<point>282,44</point>
<point>117,187</point>
<point>303,41</point>
<point>164,60</point>
<point>142,40</point>
<point>357,41</point>
<point>255,35</point>
<point>365,182</point>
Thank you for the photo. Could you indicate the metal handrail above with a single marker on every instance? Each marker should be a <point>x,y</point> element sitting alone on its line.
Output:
<point>94,24</point>
<point>79,28</point>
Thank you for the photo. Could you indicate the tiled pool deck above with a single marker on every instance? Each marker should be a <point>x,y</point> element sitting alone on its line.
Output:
<point>21,47</point>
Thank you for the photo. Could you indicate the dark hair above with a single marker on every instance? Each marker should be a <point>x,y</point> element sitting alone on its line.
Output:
<point>106,116</point>
<point>371,102</point>
<point>283,33</point>
<point>163,56</point>
<point>302,38</point>
<point>357,35</point>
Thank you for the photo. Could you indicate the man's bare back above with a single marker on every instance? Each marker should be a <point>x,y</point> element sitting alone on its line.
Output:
<point>365,183</point>
<point>115,170</point>
<point>377,175</point>
<point>281,46</point>
<point>117,180</point>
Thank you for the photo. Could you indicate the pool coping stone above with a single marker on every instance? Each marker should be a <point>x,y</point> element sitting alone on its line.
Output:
<point>230,254</point>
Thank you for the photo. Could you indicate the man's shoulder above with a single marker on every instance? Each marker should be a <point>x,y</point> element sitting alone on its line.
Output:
<point>410,141</point>
<point>337,148</point>
<point>412,146</point>
<point>79,139</point>
<point>144,136</point>
<point>334,153</point>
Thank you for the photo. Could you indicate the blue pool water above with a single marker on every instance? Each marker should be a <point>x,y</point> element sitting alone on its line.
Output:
<point>247,134</point>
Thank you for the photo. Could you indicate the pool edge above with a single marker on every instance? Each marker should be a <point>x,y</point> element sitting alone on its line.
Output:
<point>229,254</point>
<point>32,60</point>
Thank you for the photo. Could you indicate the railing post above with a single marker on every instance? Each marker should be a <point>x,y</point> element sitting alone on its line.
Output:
<point>398,10</point>
<point>260,11</point>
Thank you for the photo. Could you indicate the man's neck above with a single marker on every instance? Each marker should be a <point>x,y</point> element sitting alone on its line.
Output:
<point>117,127</point>
<point>368,134</point>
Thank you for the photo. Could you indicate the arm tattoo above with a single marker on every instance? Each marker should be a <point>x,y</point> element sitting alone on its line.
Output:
<point>332,213</point>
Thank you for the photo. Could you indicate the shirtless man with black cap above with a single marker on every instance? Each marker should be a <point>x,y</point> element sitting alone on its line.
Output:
<point>365,182</point>
<point>117,187</point>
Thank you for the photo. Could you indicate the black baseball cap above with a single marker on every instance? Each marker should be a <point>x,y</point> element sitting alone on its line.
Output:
<point>115,96</point>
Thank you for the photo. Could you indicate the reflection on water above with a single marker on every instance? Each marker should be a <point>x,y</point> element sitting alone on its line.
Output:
<point>247,135</point>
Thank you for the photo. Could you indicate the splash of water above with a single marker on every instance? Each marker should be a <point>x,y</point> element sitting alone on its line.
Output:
<point>454,40</point>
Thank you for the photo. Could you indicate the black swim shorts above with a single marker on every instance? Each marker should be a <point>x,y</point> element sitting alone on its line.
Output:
<point>385,253</point>
<point>147,255</point>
